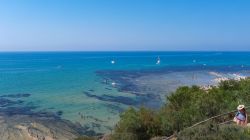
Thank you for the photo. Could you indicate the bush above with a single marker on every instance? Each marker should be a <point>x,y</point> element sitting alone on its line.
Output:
<point>136,125</point>
<point>86,138</point>
<point>214,132</point>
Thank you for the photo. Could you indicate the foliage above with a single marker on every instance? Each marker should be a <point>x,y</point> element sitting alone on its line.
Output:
<point>214,132</point>
<point>137,125</point>
<point>183,108</point>
<point>86,138</point>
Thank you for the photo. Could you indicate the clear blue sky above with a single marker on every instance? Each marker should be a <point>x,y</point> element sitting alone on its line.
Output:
<point>34,25</point>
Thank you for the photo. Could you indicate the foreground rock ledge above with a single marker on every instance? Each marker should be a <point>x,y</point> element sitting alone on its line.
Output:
<point>25,127</point>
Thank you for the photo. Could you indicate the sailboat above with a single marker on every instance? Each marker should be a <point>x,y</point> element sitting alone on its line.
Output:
<point>158,60</point>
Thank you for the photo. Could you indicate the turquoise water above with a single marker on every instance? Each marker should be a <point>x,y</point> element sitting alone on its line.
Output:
<point>74,83</point>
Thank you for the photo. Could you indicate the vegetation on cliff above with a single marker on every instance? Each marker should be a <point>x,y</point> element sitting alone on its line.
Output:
<point>183,108</point>
<point>212,131</point>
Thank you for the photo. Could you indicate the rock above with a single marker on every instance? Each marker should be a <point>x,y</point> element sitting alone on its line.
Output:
<point>25,127</point>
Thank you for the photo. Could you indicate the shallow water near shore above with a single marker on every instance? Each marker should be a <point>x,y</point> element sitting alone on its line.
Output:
<point>86,88</point>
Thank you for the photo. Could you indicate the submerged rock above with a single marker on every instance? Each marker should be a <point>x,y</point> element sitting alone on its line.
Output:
<point>19,95</point>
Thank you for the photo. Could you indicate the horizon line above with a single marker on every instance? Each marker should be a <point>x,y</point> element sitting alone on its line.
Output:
<point>75,51</point>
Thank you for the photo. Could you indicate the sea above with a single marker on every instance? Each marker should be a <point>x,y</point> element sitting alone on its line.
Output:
<point>94,88</point>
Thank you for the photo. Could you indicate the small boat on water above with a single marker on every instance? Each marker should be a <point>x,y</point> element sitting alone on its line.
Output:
<point>158,61</point>
<point>113,62</point>
<point>113,84</point>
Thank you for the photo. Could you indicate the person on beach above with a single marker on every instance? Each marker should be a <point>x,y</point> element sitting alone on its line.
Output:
<point>241,116</point>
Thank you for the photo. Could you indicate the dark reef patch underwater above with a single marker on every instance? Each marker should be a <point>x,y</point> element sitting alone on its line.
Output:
<point>116,99</point>
<point>149,94</point>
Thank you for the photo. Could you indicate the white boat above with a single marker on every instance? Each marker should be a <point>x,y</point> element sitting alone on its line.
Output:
<point>113,62</point>
<point>113,84</point>
<point>158,60</point>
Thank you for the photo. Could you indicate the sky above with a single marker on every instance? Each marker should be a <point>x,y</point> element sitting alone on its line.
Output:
<point>124,25</point>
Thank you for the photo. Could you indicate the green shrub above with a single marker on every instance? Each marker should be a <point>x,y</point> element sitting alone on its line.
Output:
<point>135,125</point>
<point>214,132</point>
<point>124,136</point>
<point>86,138</point>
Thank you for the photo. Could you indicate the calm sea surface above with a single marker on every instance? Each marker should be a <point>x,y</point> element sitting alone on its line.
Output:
<point>86,87</point>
